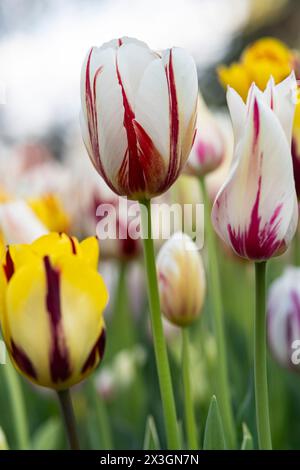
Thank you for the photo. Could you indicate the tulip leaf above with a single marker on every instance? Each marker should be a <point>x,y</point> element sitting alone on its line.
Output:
<point>48,436</point>
<point>214,433</point>
<point>247,443</point>
<point>151,440</point>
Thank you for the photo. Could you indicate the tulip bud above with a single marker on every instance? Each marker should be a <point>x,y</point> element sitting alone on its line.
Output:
<point>52,300</point>
<point>138,115</point>
<point>255,211</point>
<point>181,280</point>
<point>284,318</point>
<point>209,147</point>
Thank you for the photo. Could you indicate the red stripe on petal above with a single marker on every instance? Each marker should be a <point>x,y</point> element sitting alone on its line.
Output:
<point>296,166</point>
<point>8,265</point>
<point>22,360</point>
<point>152,162</point>
<point>257,243</point>
<point>174,122</point>
<point>92,121</point>
<point>131,175</point>
<point>60,369</point>
<point>96,353</point>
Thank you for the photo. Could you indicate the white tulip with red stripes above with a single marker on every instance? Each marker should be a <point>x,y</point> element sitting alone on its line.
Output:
<point>138,115</point>
<point>255,211</point>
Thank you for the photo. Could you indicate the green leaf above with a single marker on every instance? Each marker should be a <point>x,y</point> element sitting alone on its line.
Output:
<point>48,436</point>
<point>214,433</point>
<point>247,443</point>
<point>151,441</point>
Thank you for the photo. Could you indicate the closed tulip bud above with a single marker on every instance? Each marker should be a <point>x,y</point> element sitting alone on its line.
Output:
<point>284,318</point>
<point>138,115</point>
<point>255,211</point>
<point>181,280</point>
<point>209,147</point>
<point>52,301</point>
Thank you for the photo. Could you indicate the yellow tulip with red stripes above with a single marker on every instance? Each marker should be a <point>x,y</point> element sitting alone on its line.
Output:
<point>52,301</point>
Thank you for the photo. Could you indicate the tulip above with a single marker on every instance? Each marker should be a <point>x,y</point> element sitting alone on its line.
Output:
<point>181,280</point>
<point>209,147</point>
<point>52,304</point>
<point>182,289</point>
<point>51,212</point>
<point>138,115</point>
<point>138,125</point>
<point>263,58</point>
<point>255,211</point>
<point>283,317</point>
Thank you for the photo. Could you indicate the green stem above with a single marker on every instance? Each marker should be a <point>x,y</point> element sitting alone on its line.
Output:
<point>99,408</point>
<point>223,395</point>
<point>190,423</point>
<point>160,348</point>
<point>67,411</point>
<point>122,324</point>
<point>261,383</point>
<point>17,404</point>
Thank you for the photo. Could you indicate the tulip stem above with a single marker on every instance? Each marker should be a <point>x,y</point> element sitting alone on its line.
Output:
<point>67,411</point>
<point>261,383</point>
<point>100,411</point>
<point>17,405</point>
<point>215,295</point>
<point>160,348</point>
<point>190,422</point>
<point>297,248</point>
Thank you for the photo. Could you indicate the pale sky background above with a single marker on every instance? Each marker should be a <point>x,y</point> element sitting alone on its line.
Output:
<point>40,59</point>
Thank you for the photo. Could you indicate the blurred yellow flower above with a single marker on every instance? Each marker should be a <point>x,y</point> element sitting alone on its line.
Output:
<point>260,60</point>
<point>50,211</point>
<point>51,309</point>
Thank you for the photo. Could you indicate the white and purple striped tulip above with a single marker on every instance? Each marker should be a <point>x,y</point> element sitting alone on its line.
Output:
<point>255,211</point>
<point>284,318</point>
<point>138,115</point>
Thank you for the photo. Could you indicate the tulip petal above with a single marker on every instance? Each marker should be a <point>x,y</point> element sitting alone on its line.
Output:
<point>132,61</point>
<point>237,109</point>
<point>282,98</point>
<point>152,107</point>
<point>102,105</point>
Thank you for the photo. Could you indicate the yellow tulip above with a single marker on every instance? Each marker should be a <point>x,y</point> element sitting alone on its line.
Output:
<point>51,309</point>
<point>50,211</point>
<point>260,60</point>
